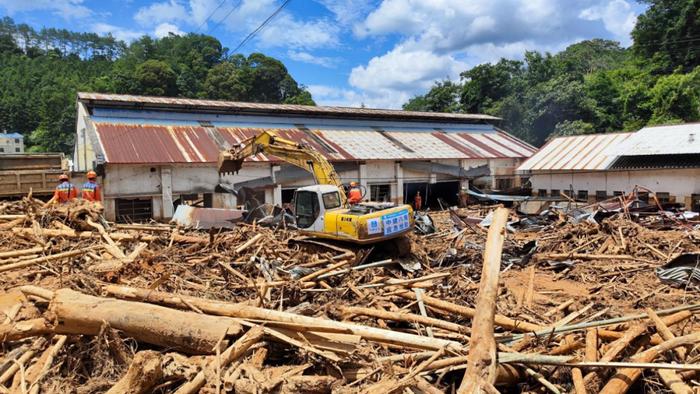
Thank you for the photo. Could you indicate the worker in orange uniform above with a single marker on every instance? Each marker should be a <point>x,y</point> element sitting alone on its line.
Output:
<point>355,195</point>
<point>417,201</point>
<point>91,190</point>
<point>64,192</point>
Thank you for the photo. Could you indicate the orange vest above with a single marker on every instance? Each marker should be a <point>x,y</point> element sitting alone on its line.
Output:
<point>91,191</point>
<point>65,192</point>
<point>354,196</point>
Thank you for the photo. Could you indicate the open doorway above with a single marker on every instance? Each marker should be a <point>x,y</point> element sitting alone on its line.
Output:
<point>432,192</point>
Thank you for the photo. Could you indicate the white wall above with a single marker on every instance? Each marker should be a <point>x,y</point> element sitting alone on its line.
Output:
<point>681,183</point>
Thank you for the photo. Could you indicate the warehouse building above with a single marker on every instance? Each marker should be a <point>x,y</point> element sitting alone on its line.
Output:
<point>664,159</point>
<point>11,143</point>
<point>153,152</point>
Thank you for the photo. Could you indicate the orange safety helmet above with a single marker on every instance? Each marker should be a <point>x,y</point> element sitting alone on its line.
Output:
<point>91,174</point>
<point>353,184</point>
<point>63,177</point>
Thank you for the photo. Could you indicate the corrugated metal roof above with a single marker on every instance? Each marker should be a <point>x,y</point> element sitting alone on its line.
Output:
<point>581,152</point>
<point>685,160</point>
<point>662,140</point>
<point>236,106</point>
<point>142,143</point>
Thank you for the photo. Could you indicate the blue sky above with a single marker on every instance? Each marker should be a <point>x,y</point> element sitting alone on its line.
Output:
<point>352,52</point>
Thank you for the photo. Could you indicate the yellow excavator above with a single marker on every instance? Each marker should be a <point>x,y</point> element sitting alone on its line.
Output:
<point>322,210</point>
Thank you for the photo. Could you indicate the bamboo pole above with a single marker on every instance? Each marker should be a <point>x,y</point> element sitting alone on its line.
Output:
<point>481,361</point>
<point>16,253</point>
<point>45,259</point>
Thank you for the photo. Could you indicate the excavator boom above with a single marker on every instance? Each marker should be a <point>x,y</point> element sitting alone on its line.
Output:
<point>300,155</point>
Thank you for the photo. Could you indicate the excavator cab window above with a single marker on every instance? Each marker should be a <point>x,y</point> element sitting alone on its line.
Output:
<point>306,208</point>
<point>331,200</point>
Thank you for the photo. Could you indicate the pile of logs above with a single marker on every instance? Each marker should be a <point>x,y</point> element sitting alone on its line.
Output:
<point>90,306</point>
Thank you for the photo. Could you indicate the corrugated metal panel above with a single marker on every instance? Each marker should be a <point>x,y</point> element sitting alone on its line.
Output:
<point>662,140</point>
<point>582,152</point>
<point>273,108</point>
<point>156,143</point>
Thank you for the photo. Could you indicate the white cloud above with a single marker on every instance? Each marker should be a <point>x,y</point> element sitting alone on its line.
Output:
<point>169,11</point>
<point>307,57</point>
<point>348,11</point>
<point>335,96</point>
<point>68,9</point>
<point>164,29</point>
<point>118,32</point>
<point>618,17</point>
<point>440,38</point>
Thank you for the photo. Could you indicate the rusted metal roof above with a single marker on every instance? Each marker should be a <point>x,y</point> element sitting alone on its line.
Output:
<point>143,143</point>
<point>575,153</point>
<point>169,103</point>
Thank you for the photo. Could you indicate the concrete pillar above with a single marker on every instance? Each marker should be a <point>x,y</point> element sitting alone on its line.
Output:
<point>397,193</point>
<point>277,195</point>
<point>110,209</point>
<point>166,188</point>
<point>362,169</point>
<point>269,195</point>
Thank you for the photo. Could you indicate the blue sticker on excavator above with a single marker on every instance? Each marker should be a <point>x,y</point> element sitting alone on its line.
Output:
<point>396,222</point>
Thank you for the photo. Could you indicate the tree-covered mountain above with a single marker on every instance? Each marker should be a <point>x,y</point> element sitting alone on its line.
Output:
<point>43,70</point>
<point>593,86</point>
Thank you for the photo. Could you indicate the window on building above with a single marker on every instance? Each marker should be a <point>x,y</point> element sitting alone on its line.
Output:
<point>16,140</point>
<point>601,195</point>
<point>504,183</point>
<point>663,197</point>
<point>582,195</point>
<point>617,194</point>
<point>17,150</point>
<point>134,210</point>
<point>380,192</point>
<point>695,202</point>
<point>541,192</point>
<point>2,150</point>
<point>554,193</point>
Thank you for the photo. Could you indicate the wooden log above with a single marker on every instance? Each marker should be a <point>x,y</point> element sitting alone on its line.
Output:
<point>143,373</point>
<point>349,311</point>
<point>24,329</point>
<point>583,256</point>
<point>267,315</point>
<point>48,362</point>
<point>591,345</point>
<point>22,360</point>
<point>559,308</point>
<point>674,382</point>
<point>481,361</point>
<point>235,351</point>
<point>465,311</point>
<point>188,332</point>
<point>45,259</point>
<point>322,271</point>
<point>577,377</point>
<point>665,333</point>
<point>249,243</point>
<point>625,377</point>
<point>16,253</point>
<point>116,236</point>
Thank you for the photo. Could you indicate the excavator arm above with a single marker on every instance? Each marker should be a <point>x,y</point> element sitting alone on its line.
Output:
<point>300,155</point>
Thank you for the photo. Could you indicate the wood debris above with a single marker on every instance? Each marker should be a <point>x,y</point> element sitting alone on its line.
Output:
<point>91,307</point>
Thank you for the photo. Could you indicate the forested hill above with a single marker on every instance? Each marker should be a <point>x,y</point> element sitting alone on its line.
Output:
<point>43,70</point>
<point>593,86</point>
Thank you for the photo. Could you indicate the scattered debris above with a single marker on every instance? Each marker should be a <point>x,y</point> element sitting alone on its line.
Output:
<point>585,305</point>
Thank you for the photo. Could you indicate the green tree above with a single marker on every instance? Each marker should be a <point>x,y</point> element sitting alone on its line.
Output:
<point>676,98</point>
<point>667,32</point>
<point>443,97</point>
<point>155,78</point>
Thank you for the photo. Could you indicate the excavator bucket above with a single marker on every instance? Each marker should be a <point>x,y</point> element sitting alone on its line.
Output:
<point>228,163</point>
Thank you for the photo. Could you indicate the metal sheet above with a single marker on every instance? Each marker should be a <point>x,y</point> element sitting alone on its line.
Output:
<point>206,218</point>
<point>235,106</point>
<point>662,140</point>
<point>130,143</point>
<point>575,153</point>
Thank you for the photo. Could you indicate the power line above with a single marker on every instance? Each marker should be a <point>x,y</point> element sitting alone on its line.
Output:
<point>227,15</point>
<point>262,25</point>
<point>210,15</point>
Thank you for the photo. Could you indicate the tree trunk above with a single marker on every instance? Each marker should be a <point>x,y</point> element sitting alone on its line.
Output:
<point>187,332</point>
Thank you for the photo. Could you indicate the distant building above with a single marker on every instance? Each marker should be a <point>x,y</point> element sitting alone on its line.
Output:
<point>664,159</point>
<point>154,152</point>
<point>11,143</point>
